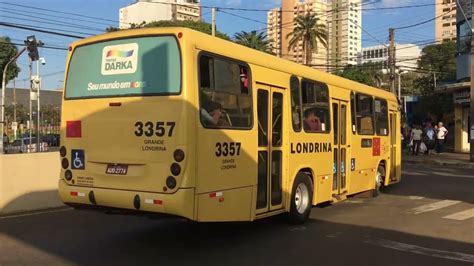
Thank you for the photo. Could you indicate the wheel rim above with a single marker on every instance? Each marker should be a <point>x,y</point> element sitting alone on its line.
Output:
<point>301,198</point>
<point>378,180</point>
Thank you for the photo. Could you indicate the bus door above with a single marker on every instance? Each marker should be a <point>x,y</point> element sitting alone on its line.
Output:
<point>394,135</point>
<point>270,142</point>
<point>341,151</point>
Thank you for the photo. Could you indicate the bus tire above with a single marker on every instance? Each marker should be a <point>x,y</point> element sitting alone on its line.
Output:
<point>379,180</point>
<point>301,199</point>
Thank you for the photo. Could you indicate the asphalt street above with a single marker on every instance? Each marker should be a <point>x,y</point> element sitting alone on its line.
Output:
<point>427,219</point>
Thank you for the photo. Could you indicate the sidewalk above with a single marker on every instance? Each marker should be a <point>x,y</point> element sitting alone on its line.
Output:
<point>455,160</point>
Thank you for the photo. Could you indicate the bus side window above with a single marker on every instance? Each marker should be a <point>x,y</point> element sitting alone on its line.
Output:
<point>225,94</point>
<point>364,114</point>
<point>315,100</point>
<point>381,117</point>
<point>353,113</point>
<point>295,103</point>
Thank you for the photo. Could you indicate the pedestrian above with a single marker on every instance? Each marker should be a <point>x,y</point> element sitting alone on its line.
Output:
<point>429,137</point>
<point>416,134</point>
<point>441,133</point>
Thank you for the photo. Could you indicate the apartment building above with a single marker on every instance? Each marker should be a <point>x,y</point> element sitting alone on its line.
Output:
<point>406,55</point>
<point>281,23</point>
<point>146,11</point>
<point>345,32</point>
<point>445,23</point>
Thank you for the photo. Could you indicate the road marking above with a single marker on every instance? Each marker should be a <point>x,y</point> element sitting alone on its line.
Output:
<point>416,197</point>
<point>433,206</point>
<point>460,216</point>
<point>297,228</point>
<point>450,255</point>
<point>33,213</point>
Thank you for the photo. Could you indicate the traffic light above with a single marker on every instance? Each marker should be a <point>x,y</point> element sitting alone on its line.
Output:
<point>32,47</point>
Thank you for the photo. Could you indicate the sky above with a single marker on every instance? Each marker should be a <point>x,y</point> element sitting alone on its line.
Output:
<point>96,15</point>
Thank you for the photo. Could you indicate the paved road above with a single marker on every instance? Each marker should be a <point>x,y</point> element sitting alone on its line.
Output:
<point>425,220</point>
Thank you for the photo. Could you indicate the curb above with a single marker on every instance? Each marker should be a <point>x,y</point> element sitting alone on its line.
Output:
<point>4,215</point>
<point>449,164</point>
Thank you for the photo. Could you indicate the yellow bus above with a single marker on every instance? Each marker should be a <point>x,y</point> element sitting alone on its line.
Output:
<point>173,121</point>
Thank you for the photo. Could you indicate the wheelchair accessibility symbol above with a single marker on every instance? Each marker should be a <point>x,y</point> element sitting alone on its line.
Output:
<point>78,159</point>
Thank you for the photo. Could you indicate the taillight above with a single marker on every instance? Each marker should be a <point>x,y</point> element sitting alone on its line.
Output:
<point>175,169</point>
<point>63,151</point>
<point>73,129</point>
<point>178,155</point>
<point>64,163</point>
<point>68,175</point>
<point>171,182</point>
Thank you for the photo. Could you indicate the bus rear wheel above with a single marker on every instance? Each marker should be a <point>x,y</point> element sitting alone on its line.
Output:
<point>379,180</point>
<point>301,199</point>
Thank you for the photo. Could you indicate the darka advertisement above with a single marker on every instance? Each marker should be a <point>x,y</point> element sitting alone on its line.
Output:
<point>134,66</point>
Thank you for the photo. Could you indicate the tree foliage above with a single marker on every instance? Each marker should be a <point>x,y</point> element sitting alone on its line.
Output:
<point>310,32</point>
<point>7,52</point>
<point>368,73</point>
<point>195,25</point>
<point>254,40</point>
<point>440,58</point>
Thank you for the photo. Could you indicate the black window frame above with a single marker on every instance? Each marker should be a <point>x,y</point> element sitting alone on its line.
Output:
<point>372,113</point>
<point>250,82</point>
<point>329,112</point>
<point>300,115</point>
<point>376,117</point>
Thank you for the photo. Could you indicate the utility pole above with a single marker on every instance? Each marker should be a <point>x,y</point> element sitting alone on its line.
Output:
<point>391,58</point>
<point>14,124</point>
<point>213,11</point>
<point>471,129</point>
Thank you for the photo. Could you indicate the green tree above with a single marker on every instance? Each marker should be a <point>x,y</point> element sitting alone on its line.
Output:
<point>310,32</point>
<point>368,73</point>
<point>195,25</point>
<point>439,58</point>
<point>254,40</point>
<point>7,52</point>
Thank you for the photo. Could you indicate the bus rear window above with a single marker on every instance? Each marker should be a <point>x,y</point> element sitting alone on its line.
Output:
<point>125,67</point>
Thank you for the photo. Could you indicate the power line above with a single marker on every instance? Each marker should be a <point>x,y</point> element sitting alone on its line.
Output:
<point>424,22</point>
<point>57,11</point>
<point>43,29</point>
<point>54,16</point>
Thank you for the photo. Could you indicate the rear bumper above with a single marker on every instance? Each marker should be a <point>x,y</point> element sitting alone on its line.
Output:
<point>180,203</point>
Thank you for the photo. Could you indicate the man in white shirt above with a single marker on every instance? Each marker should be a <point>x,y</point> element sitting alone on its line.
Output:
<point>416,138</point>
<point>441,133</point>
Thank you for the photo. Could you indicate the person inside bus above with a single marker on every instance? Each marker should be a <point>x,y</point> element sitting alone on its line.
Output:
<point>311,121</point>
<point>211,113</point>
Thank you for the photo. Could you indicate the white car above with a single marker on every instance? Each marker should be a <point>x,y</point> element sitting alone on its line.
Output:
<point>23,145</point>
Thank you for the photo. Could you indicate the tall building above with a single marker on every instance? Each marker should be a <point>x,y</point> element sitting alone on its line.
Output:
<point>406,55</point>
<point>445,23</point>
<point>281,23</point>
<point>345,32</point>
<point>343,20</point>
<point>146,11</point>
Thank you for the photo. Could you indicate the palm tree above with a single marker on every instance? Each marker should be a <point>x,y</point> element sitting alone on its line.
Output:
<point>311,32</point>
<point>253,40</point>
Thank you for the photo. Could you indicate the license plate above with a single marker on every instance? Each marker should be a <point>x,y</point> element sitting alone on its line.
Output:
<point>117,169</point>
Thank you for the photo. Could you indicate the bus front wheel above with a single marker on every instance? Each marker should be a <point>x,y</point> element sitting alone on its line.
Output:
<point>379,180</point>
<point>301,199</point>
